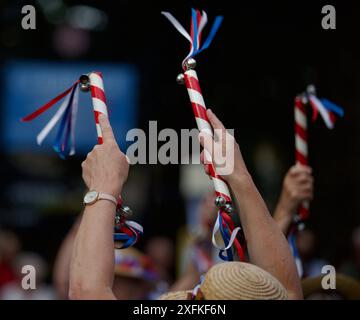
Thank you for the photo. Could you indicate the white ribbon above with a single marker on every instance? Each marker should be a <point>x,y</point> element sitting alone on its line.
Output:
<point>181,29</point>
<point>202,23</point>
<point>135,226</point>
<point>322,110</point>
<point>50,125</point>
<point>216,229</point>
<point>177,25</point>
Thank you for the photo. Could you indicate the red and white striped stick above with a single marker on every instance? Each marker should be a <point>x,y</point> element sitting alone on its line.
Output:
<point>203,124</point>
<point>301,146</point>
<point>98,100</point>
<point>94,82</point>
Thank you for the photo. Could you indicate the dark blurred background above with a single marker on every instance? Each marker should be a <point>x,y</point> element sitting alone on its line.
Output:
<point>263,55</point>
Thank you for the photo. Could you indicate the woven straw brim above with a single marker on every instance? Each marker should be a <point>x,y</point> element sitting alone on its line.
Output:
<point>241,281</point>
<point>176,295</point>
<point>347,287</point>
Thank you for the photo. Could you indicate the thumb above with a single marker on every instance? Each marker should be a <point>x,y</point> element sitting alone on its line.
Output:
<point>107,132</point>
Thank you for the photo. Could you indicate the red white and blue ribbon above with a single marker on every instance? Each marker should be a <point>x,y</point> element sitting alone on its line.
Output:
<point>228,232</point>
<point>198,23</point>
<point>127,232</point>
<point>328,112</point>
<point>223,223</point>
<point>65,139</point>
<point>327,109</point>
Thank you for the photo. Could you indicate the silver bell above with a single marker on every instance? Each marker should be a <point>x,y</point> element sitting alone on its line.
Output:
<point>126,211</point>
<point>301,226</point>
<point>220,201</point>
<point>190,63</point>
<point>228,208</point>
<point>84,83</point>
<point>180,78</point>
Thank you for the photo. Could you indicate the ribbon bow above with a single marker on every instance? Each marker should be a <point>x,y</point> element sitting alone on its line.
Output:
<point>198,22</point>
<point>65,140</point>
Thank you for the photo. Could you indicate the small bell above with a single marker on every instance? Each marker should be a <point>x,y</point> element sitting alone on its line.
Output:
<point>84,83</point>
<point>126,211</point>
<point>228,208</point>
<point>301,226</point>
<point>180,78</point>
<point>220,201</point>
<point>190,63</point>
<point>117,219</point>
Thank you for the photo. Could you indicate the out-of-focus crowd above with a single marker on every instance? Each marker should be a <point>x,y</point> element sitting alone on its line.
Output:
<point>150,272</point>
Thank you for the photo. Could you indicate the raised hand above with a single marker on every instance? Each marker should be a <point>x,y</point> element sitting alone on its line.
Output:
<point>298,186</point>
<point>105,168</point>
<point>224,151</point>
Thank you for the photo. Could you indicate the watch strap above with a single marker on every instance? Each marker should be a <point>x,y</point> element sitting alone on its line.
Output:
<point>109,197</point>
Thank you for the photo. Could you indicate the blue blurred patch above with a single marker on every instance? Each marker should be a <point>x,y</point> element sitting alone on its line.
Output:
<point>30,84</point>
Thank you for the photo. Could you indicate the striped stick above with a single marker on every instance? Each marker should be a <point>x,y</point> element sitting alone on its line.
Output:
<point>203,124</point>
<point>98,100</point>
<point>301,146</point>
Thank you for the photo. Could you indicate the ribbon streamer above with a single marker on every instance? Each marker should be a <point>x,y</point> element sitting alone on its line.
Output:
<point>324,107</point>
<point>127,232</point>
<point>65,141</point>
<point>295,253</point>
<point>198,23</point>
<point>228,233</point>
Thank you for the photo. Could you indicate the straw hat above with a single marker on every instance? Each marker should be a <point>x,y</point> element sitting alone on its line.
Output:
<point>346,288</point>
<point>236,281</point>
<point>176,295</point>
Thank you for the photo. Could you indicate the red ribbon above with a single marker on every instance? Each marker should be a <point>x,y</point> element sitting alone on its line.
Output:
<point>48,105</point>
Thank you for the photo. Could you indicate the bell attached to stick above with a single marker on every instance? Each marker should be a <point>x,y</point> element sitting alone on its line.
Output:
<point>84,83</point>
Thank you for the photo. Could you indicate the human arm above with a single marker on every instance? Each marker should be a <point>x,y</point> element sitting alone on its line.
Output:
<point>297,187</point>
<point>92,265</point>
<point>267,246</point>
<point>61,273</point>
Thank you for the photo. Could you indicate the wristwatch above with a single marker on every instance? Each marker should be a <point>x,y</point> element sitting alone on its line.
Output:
<point>93,196</point>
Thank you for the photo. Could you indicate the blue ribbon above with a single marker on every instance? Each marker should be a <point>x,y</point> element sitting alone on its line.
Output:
<point>225,234</point>
<point>332,107</point>
<point>123,237</point>
<point>209,39</point>
<point>61,145</point>
<point>195,26</point>
<point>292,243</point>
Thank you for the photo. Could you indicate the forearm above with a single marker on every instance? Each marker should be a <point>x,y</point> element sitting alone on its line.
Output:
<point>92,266</point>
<point>283,218</point>
<point>61,272</point>
<point>266,244</point>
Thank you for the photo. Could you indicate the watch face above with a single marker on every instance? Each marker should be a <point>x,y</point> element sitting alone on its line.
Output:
<point>90,197</point>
